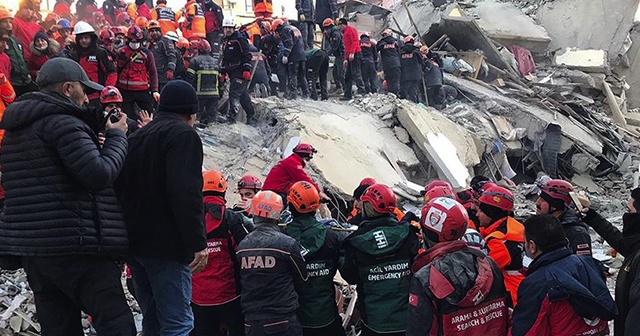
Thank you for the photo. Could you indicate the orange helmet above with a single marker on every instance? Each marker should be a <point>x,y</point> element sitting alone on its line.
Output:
<point>328,22</point>
<point>214,181</point>
<point>266,204</point>
<point>276,23</point>
<point>304,197</point>
<point>4,14</point>
<point>142,22</point>
<point>153,24</point>
<point>183,43</point>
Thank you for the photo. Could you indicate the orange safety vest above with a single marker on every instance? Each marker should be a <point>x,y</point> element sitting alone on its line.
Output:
<point>262,6</point>
<point>253,30</point>
<point>167,18</point>
<point>196,27</point>
<point>505,242</point>
<point>132,10</point>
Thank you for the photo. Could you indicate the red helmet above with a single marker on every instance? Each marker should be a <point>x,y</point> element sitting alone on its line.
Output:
<point>368,181</point>
<point>436,183</point>
<point>119,30</point>
<point>558,189</point>
<point>304,149</point>
<point>107,36</point>
<point>498,197</point>
<point>135,33</point>
<point>276,23</point>
<point>110,94</point>
<point>481,187</point>
<point>381,197</point>
<point>444,219</point>
<point>249,182</point>
<point>439,191</point>
<point>203,46</point>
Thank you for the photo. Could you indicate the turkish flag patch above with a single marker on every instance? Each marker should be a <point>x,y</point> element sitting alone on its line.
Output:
<point>413,300</point>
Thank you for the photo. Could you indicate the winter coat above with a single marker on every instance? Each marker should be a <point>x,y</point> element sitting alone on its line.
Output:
<point>263,72</point>
<point>58,181</point>
<point>351,41</point>
<point>326,9</point>
<point>19,71</point>
<point>194,24</point>
<point>285,173</point>
<point>203,75</point>
<point>236,56</point>
<point>136,70</point>
<point>563,294</point>
<point>576,231</point>
<point>389,53</point>
<point>161,190</point>
<point>293,44</point>
<point>272,270</point>
<point>452,281</point>
<point>627,289</point>
<point>305,7</point>
<point>96,62</point>
<point>411,63</point>
<point>38,58</point>
<point>321,251</point>
<point>368,47</point>
<point>334,45</point>
<point>432,70</point>
<point>219,282</point>
<point>164,58</point>
<point>378,259</point>
<point>25,30</point>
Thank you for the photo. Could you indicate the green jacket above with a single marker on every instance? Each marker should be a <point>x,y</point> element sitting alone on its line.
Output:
<point>19,71</point>
<point>320,248</point>
<point>378,258</point>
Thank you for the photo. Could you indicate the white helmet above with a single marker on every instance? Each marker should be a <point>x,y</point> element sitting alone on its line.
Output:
<point>171,35</point>
<point>228,22</point>
<point>83,28</point>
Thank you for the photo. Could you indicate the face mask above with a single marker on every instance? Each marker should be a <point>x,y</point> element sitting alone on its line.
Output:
<point>134,45</point>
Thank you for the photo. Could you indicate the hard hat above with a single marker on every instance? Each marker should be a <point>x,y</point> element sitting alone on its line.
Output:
<point>83,28</point>
<point>183,43</point>
<point>304,197</point>
<point>381,197</point>
<point>142,22</point>
<point>135,33</point>
<point>203,46</point>
<point>276,24</point>
<point>435,183</point>
<point>439,191</point>
<point>266,204</point>
<point>154,24</point>
<point>119,30</point>
<point>250,182</point>
<point>110,94</point>
<point>64,24</point>
<point>304,150</point>
<point>558,189</point>
<point>328,22</point>
<point>228,22</point>
<point>4,14</point>
<point>123,19</point>
<point>107,36</point>
<point>498,197</point>
<point>173,36</point>
<point>408,39</point>
<point>444,219</point>
<point>214,181</point>
<point>368,181</point>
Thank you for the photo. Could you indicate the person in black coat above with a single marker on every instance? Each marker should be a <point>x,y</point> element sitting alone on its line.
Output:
<point>326,9</point>
<point>369,63</point>
<point>334,46</point>
<point>317,69</point>
<point>627,243</point>
<point>306,23</point>
<point>294,59</point>
<point>411,76</point>
<point>390,58</point>
<point>160,189</point>
<point>237,65</point>
<point>62,216</point>
<point>433,78</point>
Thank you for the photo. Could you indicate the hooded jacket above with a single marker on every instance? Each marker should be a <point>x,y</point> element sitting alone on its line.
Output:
<point>378,258</point>
<point>576,232</point>
<point>453,289</point>
<point>285,173</point>
<point>321,250</point>
<point>627,291</point>
<point>389,53</point>
<point>58,181</point>
<point>563,294</point>
<point>38,58</point>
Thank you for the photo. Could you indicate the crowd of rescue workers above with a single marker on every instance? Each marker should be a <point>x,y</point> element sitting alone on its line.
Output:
<point>102,176</point>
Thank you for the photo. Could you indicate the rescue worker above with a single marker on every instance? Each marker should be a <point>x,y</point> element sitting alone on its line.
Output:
<point>452,279</point>
<point>64,31</point>
<point>554,199</point>
<point>411,73</point>
<point>563,293</point>
<point>352,59</point>
<point>215,298</point>
<point>183,57</point>
<point>236,65</point>
<point>325,9</point>
<point>19,77</point>
<point>111,9</point>
<point>111,101</point>
<point>378,258</point>
<point>334,46</point>
<point>143,10</point>
<point>261,74</point>
<point>138,77</point>
<point>213,18</point>
<point>291,170</point>
<point>269,46</point>
<point>194,25</point>
<point>203,75</point>
<point>369,66</point>
<point>163,55</point>
<point>503,235</point>
<point>120,37</point>
<point>95,60</point>
<point>306,24</point>
<point>165,16</point>
<point>248,186</point>
<point>272,272</point>
<point>263,8</point>
<point>107,39</point>
<point>627,243</point>
<point>317,69</point>
<point>293,58</point>
<point>318,313</point>
<point>433,77</point>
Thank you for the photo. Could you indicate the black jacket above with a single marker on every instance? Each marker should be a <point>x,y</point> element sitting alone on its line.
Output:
<point>164,57</point>
<point>369,53</point>
<point>263,71</point>
<point>58,182</point>
<point>411,62</point>
<point>293,44</point>
<point>389,53</point>
<point>333,45</point>
<point>305,7</point>
<point>203,75</point>
<point>627,292</point>
<point>326,9</point>
<point>432,70</point>
<point>236,56</point>
<point>576,231</point>
<point>272,269</point>
<point>161,190</point>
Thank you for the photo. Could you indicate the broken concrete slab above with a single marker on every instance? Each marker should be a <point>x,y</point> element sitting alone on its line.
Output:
<point>589,60</point>
<point>444,156</point>
<point>586,182</point>
<point>402,134</point>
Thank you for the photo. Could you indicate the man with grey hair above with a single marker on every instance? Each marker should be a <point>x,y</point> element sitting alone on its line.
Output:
<point>62,218</point>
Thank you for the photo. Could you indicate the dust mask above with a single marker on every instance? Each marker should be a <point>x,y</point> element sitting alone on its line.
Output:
<point>134,45</point>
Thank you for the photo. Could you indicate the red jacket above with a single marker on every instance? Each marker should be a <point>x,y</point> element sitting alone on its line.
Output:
<point>63,9</point>
<point>25,32</point>
<point>144,11</point>
<point>98,65</point>
<point>287,172</point>
<point>5,65</point>
<point>218,283</point>
<point>137,70</point>
<point>351,41</point>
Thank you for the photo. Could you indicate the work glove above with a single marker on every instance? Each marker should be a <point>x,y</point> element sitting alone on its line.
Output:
<point>303,17</point>
<point>351,57</point>
<point>169,75</point>
<point>285,59</point>
<point>345,64</point>
<point>246,75</point>
<point>156,96</point>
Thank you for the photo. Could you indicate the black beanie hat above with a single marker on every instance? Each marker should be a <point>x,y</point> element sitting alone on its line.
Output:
<point>494,213</point>
<point>553,202</point>
<point>178,97</point>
